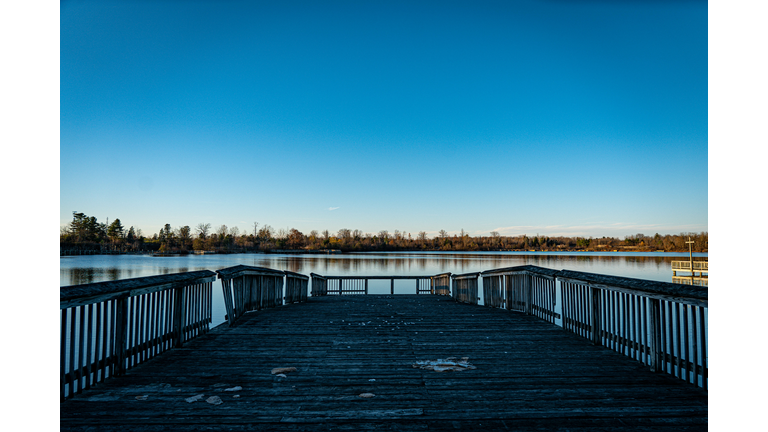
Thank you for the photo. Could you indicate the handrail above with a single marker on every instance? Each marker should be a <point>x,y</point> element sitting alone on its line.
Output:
<point>651,289</point>
<point>244,270</point>
<point>465,275</point>
<point>78,295</point>
<point>375,277</point>
<point>110,327</point>
<point>531,269</point>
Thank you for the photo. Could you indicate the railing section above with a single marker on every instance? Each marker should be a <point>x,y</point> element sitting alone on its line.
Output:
<point>465,287</point>
<point>110,327</point>
<point>660,324</point>
<point>296,287</point>
<point>528,289</point>
<point>690,266</point>
<point>345,285</point>
<point>248,288</point>
<point>319,285</point>
<point>440,284</point>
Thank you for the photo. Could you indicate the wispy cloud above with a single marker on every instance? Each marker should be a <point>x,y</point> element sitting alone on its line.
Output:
<point>594,229</point>
<point>332,208</point>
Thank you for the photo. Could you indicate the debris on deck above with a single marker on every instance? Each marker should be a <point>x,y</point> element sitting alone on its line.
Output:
<point>442,365</point>
<point>195,398</point>
<point>283,370</point>
<point>214,400</point>
<point>367,395</point>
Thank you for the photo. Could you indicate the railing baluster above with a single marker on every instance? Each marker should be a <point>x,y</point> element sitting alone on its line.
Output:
<point>63,348</point>
<point>121,332</point>
<point>81,350</point>
<point>663,330</point>
<point>89,346</point>
<point>679,340</point>
<point>97,373</point>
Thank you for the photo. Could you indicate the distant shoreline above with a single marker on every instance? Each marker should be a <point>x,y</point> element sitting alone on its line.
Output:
<point>341,251</point>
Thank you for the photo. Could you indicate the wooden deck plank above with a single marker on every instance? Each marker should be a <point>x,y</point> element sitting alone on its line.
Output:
<point>529,375</point>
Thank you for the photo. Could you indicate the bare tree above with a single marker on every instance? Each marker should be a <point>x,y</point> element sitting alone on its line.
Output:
<point>222,231</point>
<point>443,234</point>
<point>266,232</point>
<point>203,230</point>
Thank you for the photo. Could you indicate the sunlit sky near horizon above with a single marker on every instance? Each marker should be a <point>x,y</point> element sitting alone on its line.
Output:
<point>583,118</point>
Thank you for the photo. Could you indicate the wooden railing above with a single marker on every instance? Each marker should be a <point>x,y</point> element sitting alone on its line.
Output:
<point>464,288</point>
<point>345,285</point>
<point>528,289</point>
<point>660,324</point>
<point>698,266</point>
<point>110,327</point>
<point>441,284</point>
<point>319,285</point>
<point>248,288</point>
<point>296,287</point>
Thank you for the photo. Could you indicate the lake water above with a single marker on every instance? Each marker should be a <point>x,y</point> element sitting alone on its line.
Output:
<point>655,266</point>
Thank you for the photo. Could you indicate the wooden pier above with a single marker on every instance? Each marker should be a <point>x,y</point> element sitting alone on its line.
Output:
<point>528,373</point>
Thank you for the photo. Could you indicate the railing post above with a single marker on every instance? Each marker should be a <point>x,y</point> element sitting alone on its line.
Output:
<point>417,286</point>
<point>366,286</point>
<point>595,311</point>
<point>121,329</point>
<point>392,287</point>
<point>655,336</point>
<point>528,294</point>
<point>179,312</point>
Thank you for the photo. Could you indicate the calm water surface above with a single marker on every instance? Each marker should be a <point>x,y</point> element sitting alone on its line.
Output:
<point>656,266</point>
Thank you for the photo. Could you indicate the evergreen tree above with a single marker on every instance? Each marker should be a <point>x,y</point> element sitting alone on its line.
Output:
<point>115,230</point>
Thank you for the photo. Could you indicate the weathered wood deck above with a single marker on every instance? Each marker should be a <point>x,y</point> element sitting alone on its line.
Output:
<point>530,375</point>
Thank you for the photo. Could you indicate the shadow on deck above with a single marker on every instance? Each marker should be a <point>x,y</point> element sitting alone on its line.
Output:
<point>529,374</point>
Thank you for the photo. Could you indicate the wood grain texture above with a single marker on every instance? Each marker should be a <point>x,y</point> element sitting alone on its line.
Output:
<point>530,375</point>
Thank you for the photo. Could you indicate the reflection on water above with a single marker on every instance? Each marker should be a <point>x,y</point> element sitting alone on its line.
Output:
<point>96,268</point>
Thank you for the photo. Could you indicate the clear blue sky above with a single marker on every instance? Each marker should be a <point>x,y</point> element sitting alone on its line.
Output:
<point>551,117</point>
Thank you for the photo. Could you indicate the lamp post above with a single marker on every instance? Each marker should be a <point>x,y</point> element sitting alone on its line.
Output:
<point>690,256</point>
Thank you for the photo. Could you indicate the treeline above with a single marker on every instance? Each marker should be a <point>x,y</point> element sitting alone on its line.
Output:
<point>86,233</point>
